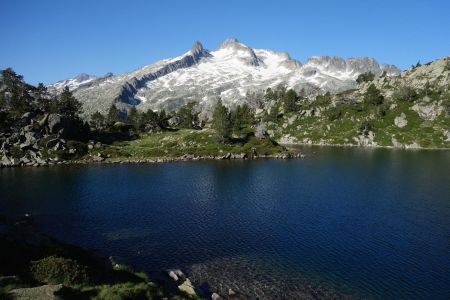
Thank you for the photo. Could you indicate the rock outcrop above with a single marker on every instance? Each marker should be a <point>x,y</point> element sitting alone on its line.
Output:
<point>25,145</point>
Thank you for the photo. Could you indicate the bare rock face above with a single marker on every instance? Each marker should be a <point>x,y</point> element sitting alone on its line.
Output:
<point>428,111</point>
<point>261,131</point>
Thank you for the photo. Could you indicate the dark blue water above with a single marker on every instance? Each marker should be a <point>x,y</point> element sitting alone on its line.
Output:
<point>341,223</point>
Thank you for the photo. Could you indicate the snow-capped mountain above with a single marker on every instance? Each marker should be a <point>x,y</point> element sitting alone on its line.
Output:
<point>228,72</point>
<point>72,83</point>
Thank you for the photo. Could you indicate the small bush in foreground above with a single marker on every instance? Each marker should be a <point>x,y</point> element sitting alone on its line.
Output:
<point>55,270</point>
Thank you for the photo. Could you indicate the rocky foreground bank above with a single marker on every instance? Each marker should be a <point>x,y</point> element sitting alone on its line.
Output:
<point>36,266</point>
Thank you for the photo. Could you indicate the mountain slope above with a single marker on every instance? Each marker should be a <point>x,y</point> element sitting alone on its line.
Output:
<point>414,113</point>
<point>229,72</point>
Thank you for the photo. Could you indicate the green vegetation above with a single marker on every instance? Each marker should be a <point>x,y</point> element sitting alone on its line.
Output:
<point>221,121</point>
<point>373,95</point>
<point>68,105</point>
<point>188,116</point>
<point>290,101</point>
<point>54,270</point>
<point>173,144</point>
<point>242,116</point>
<point>365,77</point>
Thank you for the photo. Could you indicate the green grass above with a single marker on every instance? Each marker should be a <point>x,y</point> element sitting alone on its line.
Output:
<point>172,144</point>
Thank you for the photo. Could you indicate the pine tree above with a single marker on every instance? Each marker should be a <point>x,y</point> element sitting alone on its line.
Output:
<point>113,115</point>
<point>68,105</point>
<point>241,116</point>
<point>272,115</point>
<point>98,120</point>
<point>188,115</point>
<point>45,103</point>
<point>19,99</point>
<point>221,120</point>
<point>133,117</point>
<point>290,101</point>
<point>163,119</point>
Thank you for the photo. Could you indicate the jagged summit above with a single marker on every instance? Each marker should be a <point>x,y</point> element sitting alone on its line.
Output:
<point>83,77</point>
<point>197,51</point>
<point>232,43</point>
<point>229,72</point>
<point>196,48</point>
<point>246,54</point>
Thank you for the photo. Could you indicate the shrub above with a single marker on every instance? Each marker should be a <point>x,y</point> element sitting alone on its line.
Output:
<point>365,77</point>
<point>382,111</point>
<point>406,92</point>
<point>324,99</point>
<point>336,114</point>
<point>55,270</point>
<point>127,291</point>
<point>16,152</point>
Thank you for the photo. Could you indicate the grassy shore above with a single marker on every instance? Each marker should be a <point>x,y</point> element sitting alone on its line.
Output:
<point>185,142</point>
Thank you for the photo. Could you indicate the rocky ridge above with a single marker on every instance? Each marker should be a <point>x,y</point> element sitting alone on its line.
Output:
<point>230,72</point>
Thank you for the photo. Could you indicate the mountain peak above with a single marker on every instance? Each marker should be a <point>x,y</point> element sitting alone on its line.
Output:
<point>197,48</point>
<point>83,77</point>
<point>232,43</point>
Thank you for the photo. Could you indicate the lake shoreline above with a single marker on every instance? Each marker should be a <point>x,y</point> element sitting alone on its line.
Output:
<point>363,147</point>
<point>242,156</point>
<point>106,160</point>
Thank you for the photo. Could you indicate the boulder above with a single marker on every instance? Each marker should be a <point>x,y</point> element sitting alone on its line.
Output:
<point>25,119</point>
<point>98,158</point>
<point>5,162</point>
<point>216,296</point>
<point>428,111</point>
<point>401,121</point>
<point>54,123</point>
<point>187,287</point>
<point>52,143</point>
<point>43,121</point>
<point>261,132</point>
<point>176,275</point>
<point>30,140</point>
<point>292,119</point>
<point>175,121</point>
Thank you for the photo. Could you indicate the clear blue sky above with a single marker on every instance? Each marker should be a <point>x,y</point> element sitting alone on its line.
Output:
<point>51,40</point>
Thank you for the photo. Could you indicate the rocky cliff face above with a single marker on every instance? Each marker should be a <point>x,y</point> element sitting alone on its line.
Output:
<point>229,72</point>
